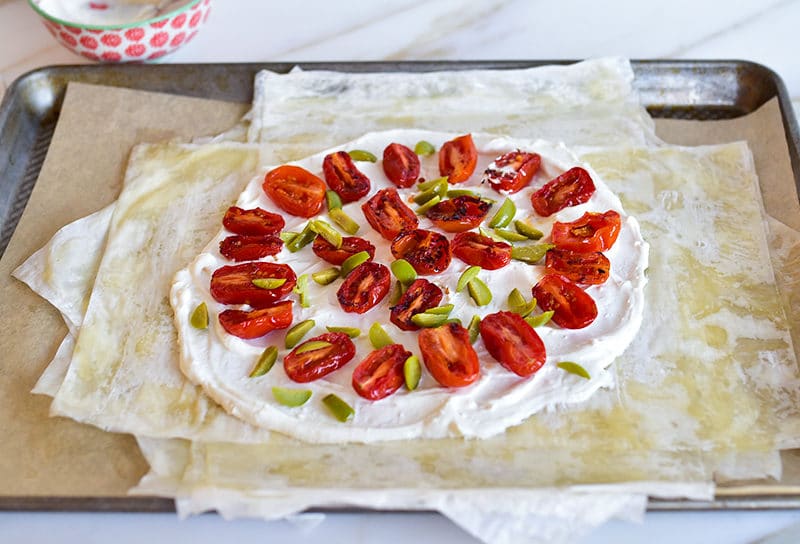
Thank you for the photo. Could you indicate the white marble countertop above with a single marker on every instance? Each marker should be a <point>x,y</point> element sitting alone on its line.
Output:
<point>764,31</point>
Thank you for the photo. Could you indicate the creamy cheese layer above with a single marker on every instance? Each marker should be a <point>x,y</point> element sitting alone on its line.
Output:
<point>499,399</point>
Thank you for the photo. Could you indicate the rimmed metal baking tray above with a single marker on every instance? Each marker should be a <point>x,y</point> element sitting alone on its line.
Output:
<point>685,89</point>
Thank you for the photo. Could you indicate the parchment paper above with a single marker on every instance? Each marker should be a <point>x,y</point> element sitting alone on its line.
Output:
<point>41,456</point>
<point>82,173</point>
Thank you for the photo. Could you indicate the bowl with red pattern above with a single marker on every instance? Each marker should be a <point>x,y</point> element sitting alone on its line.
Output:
<point>104,36</point>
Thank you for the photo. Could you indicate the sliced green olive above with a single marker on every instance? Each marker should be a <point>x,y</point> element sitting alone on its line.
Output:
<point>288,236</point>
<point>268,283</point>
<point>265,362</point>
<point>528,230</point>
<point>453,193</point>
<point>412,372</point>
<point>518,304</point>
<point>504,214</point>
<point>352,332</point>
<point>440,190</point>
<point>353,261</point>
<point>378,337</point>
<point>362,155</point>
<point>467,276</point>
<point>339,408</point>
<point>333,200</point>
<point>444,309</point>
<point>403,271</point>
<point>199,317</point>
<point>422,210</point>
<point>301,290</point>
<point>326,277</point>
<point>424,148</point>
<point>428,321</point>
<point>489,234</point>
<point>574,368</point>
<point>291,397</point>
<point>479,292</point>
<point>312,345</point>
<point>340,217</point>
<point>510,235</point>
<point>302,240</point>
<point>474,328</point>
<point>531,254</point>
<point>296,333</point>
<point>431,183</point>
<point>324,229</point>
<point>539,320</point>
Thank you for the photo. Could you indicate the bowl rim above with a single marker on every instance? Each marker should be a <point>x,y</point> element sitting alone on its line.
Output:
<point>122,26</point>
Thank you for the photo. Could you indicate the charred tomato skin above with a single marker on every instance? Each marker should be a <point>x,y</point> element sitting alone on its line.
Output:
<point>401,165</point>
<point>252,222</point>
<point>350,246</point>
<point>256,323</point>
<point>458,214</point>
<point>478,250</point>
<point>427,251</point>
<point>573,307</point>
<point>591,232</point>
<point>381,373</point>
<point>234,284</point>
<point>313,365</point>
<point>587,268</point>
<point>449,356</point>
<point>344,177</point>
<point>421,295</point>
<point>388,214</point>
<point>573,187</point>
<point>250,248</point>
<point>513,343</point>
<point>364,287</point>
<point>458,158</point>
<point>524,166</point>
<point>295,190</point>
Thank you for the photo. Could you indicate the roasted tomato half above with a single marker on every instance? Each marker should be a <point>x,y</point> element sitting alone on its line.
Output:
<point>401,165</point>
<point>458,158</point>
<point>313,365</point>
<point>449,356</point>
<point>589,233</point>
<point>255,323</point>
<point>459,214</point>
<point>427,251</point>
<point>513,342</point>
<point>478,250</point>
<point>350,246</point>
<point>381,373</point>
<point>588,268</point>
<point>254,222</point>
<point>344,177</point>
<point>295,190</point>
<point>249,248</point>
<point>234,284</point>
<point>573,308</point>
<point>571,188</point>
<point>364,287</point>
<point>512,172</point>
<point>421,295</point>
<point>388,215</point>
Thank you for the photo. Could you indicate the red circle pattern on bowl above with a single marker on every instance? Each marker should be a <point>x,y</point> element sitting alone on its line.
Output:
<point>134,44</point>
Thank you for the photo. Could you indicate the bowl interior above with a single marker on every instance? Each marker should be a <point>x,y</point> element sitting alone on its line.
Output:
<point>174,8</point>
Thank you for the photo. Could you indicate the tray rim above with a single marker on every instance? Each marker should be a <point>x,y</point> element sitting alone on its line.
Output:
<point>141,504</point>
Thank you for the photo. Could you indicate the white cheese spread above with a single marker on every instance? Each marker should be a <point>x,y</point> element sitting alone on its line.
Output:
<point>107,12</point>
<point>220,362</point>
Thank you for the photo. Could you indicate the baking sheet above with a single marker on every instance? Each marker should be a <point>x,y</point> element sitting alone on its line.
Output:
<point>46,458</point>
